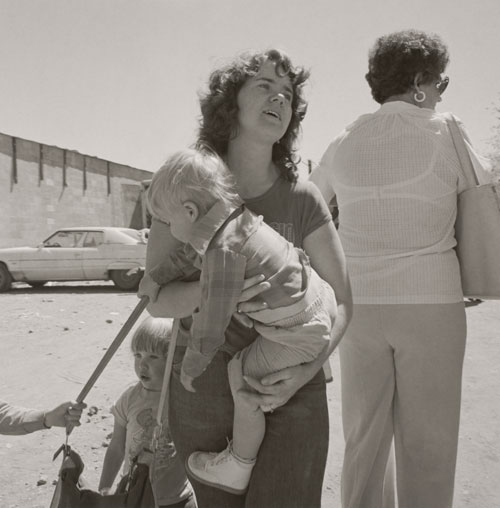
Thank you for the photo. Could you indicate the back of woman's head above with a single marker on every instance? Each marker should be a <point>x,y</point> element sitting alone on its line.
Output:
<point>396,58</point>
<point>219,107</point>
<point>152,336</point>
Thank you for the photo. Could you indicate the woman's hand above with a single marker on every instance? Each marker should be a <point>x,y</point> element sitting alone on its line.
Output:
<point>252,287</point>
<point>278,388</point>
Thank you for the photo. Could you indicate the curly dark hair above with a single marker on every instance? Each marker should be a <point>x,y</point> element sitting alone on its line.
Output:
<point>396,58</point>
<point>219,107</point>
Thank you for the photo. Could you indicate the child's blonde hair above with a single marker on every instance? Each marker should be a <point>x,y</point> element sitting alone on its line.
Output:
<point>191,175</point>
<point>152,336</point>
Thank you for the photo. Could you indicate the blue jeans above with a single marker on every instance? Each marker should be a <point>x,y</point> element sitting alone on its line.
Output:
<point>291,462</point>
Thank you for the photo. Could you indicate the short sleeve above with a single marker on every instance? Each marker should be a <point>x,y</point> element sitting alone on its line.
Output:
<point>120,408</point>
<point>314,211</point>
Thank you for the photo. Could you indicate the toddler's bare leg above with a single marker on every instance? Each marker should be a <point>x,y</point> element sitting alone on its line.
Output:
<point>249,421</point>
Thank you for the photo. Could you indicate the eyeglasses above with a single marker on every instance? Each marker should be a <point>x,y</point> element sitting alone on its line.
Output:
<point>442,84</point>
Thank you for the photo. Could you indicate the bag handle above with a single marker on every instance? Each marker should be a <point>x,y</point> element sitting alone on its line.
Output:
<point>462,151</point>
<point>168,370</point>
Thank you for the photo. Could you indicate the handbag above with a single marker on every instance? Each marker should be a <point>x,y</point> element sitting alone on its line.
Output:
<point>136,488</point>
<point>477,228</point>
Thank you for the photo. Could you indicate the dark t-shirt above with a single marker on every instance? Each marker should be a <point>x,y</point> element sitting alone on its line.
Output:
<point>295,210</point>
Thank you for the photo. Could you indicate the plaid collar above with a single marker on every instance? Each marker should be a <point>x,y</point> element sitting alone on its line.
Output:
<point>205,228</point>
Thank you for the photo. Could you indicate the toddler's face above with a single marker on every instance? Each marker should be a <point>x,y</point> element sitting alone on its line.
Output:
<point>180,220</point>
<point>149,368</point>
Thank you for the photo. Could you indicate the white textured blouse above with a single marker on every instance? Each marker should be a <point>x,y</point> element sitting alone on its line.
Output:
<point>396,176</point>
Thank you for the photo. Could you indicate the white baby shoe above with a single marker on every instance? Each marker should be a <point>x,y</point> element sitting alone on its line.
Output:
<point>221,470</point>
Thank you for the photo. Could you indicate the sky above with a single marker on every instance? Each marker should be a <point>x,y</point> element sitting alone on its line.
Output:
<point>119,79</point>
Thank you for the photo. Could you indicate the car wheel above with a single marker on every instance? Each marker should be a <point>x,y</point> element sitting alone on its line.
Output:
<point>124,281</point>
<point>5,278</point>
<point>37,283</point>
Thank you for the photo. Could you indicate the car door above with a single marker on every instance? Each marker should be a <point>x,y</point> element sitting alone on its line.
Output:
<point>94,258</point>
<point>58,258</point>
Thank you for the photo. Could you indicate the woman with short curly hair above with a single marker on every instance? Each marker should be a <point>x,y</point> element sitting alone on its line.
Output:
<point>396,177</point>
<point>251,116</point>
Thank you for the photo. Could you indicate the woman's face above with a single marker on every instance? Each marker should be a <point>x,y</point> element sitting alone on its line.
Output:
<point>265,104</point>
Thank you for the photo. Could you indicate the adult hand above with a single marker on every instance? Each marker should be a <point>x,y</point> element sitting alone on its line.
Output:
<point>64,415</point>
<point>252,287</point>
<point>278,388</point>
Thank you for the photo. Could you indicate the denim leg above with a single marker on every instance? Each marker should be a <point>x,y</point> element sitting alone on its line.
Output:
<point>202,421</point>
<point>292,459</point>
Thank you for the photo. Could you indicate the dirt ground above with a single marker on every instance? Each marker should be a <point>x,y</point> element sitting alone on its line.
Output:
<point>52,338</point>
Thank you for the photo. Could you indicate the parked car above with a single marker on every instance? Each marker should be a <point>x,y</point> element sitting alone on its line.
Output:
<point>93,253</point>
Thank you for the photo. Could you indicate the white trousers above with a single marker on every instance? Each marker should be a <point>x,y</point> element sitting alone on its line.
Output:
<point>401,371</point>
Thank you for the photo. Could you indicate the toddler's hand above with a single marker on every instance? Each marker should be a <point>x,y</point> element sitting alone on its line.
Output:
<point>187,382</point>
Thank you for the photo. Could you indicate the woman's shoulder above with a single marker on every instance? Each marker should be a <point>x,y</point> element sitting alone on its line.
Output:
<point>301,190</point>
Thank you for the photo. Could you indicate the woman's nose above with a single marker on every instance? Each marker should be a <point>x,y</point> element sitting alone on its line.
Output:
<point>279,97</point>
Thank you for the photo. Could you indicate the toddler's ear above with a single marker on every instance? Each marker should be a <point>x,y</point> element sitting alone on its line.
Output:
<point>192,210</point>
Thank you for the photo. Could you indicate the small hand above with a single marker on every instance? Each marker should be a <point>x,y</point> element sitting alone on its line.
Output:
<point>187,382</point>
<point>67,414</point>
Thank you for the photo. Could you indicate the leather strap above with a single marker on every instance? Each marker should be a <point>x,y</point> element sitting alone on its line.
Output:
<point>462,151</point>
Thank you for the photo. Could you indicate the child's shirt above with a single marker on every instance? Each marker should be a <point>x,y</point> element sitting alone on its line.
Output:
<point>136,410</point>
<point>230,244</point>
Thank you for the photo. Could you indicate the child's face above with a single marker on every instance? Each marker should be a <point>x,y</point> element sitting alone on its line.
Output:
<point>149,368</point>
<point>181,220</point>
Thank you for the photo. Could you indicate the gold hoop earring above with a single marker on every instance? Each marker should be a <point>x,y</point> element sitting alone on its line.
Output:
<point>419,96</point>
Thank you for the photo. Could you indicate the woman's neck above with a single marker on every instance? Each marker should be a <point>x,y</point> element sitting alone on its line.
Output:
<point>404,97</point>
<point>252,166</point>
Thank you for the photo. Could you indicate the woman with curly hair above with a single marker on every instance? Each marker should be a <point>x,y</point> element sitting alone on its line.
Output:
<point>251,116</point>
<point>396,177</point>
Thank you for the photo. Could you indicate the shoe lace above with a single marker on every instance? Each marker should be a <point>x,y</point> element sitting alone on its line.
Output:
<point>221,457</point>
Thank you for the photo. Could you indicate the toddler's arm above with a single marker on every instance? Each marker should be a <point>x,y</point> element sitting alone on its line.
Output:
<point>113,458</point>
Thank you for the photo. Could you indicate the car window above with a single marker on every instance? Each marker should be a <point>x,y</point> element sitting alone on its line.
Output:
<point>66,239</point>
<point>93,239</point>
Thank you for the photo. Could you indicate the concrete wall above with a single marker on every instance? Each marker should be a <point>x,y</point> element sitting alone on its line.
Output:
<point>44,187</point>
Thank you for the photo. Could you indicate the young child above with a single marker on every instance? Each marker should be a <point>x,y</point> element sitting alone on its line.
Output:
<point>135,419</point>
<point>193,193</point>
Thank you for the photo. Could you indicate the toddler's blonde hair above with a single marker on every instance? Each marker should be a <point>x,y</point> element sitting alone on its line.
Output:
<point>152,336</point>
<point>193,175</point>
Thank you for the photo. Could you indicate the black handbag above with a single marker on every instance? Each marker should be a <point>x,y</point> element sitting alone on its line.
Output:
<point>133,491</point>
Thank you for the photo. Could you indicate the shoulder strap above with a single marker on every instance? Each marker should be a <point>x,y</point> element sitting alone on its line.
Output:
<point>165,385</point>
<point>462,151</point>
<point>168,372</point>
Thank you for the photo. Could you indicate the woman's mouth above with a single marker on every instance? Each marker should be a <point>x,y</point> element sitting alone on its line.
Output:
<point>272,113</point>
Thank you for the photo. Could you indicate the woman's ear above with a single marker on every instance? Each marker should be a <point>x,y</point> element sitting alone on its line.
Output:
<point>192,210</point>
<point>417,80</point>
